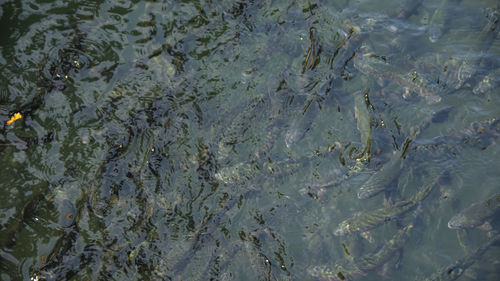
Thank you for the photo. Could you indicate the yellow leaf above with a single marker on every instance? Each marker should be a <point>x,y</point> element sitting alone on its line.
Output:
<point>16,116</point>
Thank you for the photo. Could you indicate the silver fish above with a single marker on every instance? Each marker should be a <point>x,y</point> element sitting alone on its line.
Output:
<point>477,214</point>
<point>372,219</point>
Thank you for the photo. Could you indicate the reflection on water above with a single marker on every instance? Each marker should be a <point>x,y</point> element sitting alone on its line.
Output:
<point>252,140</point>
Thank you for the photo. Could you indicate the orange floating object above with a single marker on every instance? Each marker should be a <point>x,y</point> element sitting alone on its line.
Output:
<point>16,116</point>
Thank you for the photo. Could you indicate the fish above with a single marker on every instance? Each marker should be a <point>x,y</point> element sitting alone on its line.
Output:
<point>386,252</point>
<point>413,81</point>
<point>57,260</point>
<point>489,82</point>
<point>477,214</point>
<point>480,134</point>
<point>369,220</point>
<point>381,180</point>
<point>460,72</point>
<point>357,34</point>
<point>240,120</point>
<point>64,260</point>
<point>311,57</point>
<point>455,270</point>
<point>364,123</point>
<point>366,263</point>
<point>440,19</point>
<point>248,170</point>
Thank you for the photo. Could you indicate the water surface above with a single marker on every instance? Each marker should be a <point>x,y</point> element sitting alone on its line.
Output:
<point>226,140</point>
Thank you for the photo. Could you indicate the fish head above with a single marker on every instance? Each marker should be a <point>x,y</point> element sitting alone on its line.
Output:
<point>368,191</point>
<point>343,229</point>
<point>457,222</point>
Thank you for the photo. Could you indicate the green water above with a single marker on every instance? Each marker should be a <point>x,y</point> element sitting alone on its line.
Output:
<point>226,140</point>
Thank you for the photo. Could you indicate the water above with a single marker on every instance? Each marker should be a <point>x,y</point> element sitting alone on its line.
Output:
<point>222,140</point>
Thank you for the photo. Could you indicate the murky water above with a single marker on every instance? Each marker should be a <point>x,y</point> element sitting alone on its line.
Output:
<point>251,140</point>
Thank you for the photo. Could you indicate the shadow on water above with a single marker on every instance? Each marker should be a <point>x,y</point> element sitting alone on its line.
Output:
<point>249,140</point>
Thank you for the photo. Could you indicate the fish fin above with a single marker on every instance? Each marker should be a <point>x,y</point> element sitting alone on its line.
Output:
<point>486,226</point>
